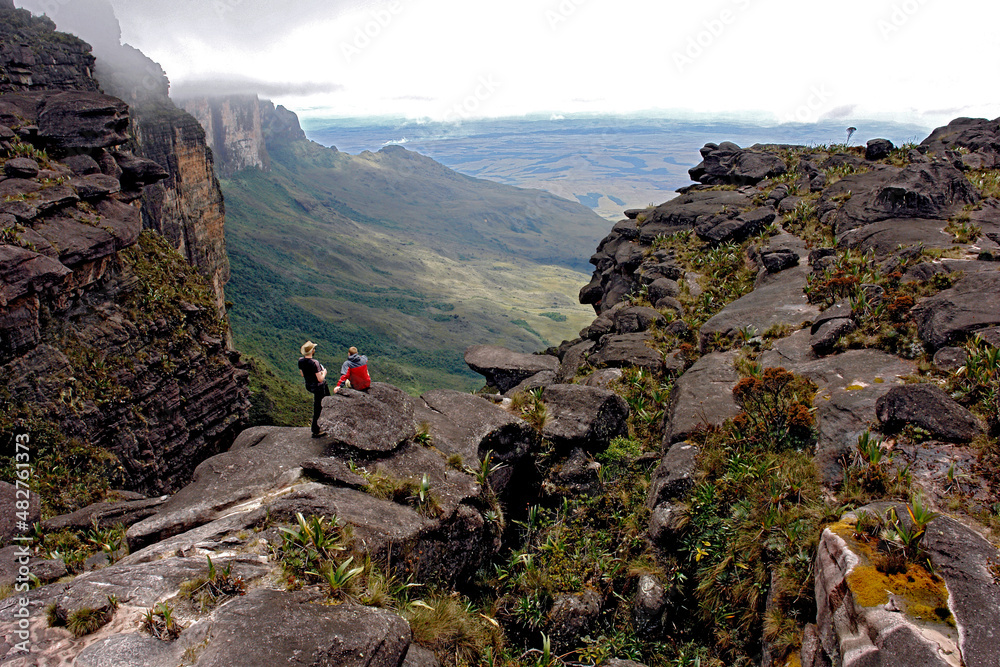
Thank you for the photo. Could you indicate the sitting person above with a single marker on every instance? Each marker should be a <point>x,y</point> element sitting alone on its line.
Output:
<point>354,372</point>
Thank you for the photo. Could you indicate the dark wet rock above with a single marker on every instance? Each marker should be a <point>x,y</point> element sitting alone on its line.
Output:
<point>626,350</point>
<point>138,172</point>
<point>979,136</point>
<point>675,474</point>
<point>585,417</point>
<point>930,408</point>
<point>661,288</point>
<point>571,617</point>
<point>366,424</point>
<point>505,369</point>
<point>24,272</point>
<point>702,395</point>
<point>973,303</point>
<point>667,523</point>
<point>877,149</point>
<point>267,627</point>
<point>735,229</point>
<point>688,210</point>
<point>929,191</point>
<point>778,260</point>
<point>82,164</point>
<point>886,236</point>
<point>21,167</point>
<point>729,164</point>
<point>950,359</point>
<point>95,186</point>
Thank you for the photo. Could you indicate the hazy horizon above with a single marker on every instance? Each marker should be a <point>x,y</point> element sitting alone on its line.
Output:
<point>774,61</point>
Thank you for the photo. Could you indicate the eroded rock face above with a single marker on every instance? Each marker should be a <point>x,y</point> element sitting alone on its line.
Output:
<point>866,617</point>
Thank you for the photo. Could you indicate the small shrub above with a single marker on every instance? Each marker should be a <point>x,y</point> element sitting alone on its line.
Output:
<point>89,620</point>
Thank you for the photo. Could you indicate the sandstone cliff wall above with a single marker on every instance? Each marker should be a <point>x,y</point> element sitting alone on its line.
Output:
<point>233,131</point>
<point>108,336</point>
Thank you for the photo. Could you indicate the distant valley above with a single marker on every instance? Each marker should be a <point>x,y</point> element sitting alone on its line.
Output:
<point>606,163</point>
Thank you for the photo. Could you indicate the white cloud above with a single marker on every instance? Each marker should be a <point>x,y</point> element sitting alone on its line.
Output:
<point>785,58</point>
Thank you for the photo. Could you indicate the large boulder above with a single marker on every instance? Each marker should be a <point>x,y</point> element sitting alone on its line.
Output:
<point>980,138</point>
<point>973,303</point>
<point>505,369</point>
<point>930,408</point>
<point>728,164</point>
<point>687,211</point>
<point>926,190</point>
<point>364,424</point>
<point>585,417</point>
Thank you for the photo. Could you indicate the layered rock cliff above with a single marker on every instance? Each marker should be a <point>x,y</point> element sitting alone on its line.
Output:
<point>186,207</point>
<point>233,129</point>
<point>110,340</point>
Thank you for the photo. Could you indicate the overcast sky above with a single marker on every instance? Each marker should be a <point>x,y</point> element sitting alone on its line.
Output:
<point>910,60</point>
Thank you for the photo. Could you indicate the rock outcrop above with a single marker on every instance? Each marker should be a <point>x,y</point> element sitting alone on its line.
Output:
<point>186,207</point>
<point>105,336</point>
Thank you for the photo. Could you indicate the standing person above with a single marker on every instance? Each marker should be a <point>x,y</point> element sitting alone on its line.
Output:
<point>354,372</point>
<point>315,376</point>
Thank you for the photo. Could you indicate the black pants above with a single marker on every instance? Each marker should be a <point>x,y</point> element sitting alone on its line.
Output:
<point>319,394</point>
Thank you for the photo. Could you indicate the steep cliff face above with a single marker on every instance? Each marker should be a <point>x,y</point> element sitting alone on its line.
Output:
<point>233,130</point>
<point>186,207</point>
<point>110,338</point>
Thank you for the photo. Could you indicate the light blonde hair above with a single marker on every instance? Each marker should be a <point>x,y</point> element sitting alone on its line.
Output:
<point>353,350</point>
